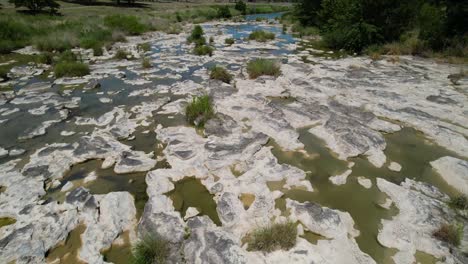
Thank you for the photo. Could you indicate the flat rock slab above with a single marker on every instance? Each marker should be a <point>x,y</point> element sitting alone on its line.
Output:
<point>454,171</point>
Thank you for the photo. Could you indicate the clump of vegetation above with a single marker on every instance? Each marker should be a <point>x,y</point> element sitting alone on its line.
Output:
<point>211,40</point>
<point>126,23</point>
<point>354,25</point>
<point>449,233</point>
<point>199,110</point>
<point>224,12</point>
<point>150,250</point>
<point>70,69</point>
<point>200,42</point>
<point>121,54</point>
<point>178,17</point>
<point>4,72</point>
<point>261,36</point>
<point>197,36</point>
<point>13,34</point>
<point>220,73</point>
<point>144,46</point>
<point>36,6</point>
<point>203,50</point>
<point>146,63</point>
<point>459,202</point>
<point>273,237</point>
<point>259,67</point>
<point>229,41</point>
<point>45,58</point>
<point>241,6</point>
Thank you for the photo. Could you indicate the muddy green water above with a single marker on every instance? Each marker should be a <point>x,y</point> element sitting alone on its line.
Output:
<point>407,147</point>
<point>68,252</point>
<point>4,221</point>
<point>190,192</point>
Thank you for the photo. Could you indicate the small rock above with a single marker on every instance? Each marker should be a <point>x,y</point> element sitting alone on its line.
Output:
<point>394,166</point>
<point>105,100</point>
<point>67,133</point>
<point>68,186</point>
<point>16,152</point>
<point>191,212</point>
<point>366,183</point>
<point>92,84</point>
<point>55,184</point>
<point>91,177</point>
<point>3,152</point>
<point>340,179</point>
<point>386,205</point>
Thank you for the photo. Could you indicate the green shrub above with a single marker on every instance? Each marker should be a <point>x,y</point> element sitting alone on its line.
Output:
<point>211,40</point>
<point>197,36</point>
<point>144,47</point>
<point>199,110</point>
<point>45,58</point>
<point>229,41</point>
<point>150,250</point>
<point>224,12</point>
<point>220,73</point>
<point>202,50</point>
<point>70,69</point>
<point>432,23</point>
<point>128,24</point>
<point>146,63</point>
<point>67,56</point>
<point>449,233</point>
<point>121,54</point>
<point>178,17</point>
<point>261,36</point>
<point>459,202</point>
<point>57,41</point>
<point>97,50</point>
<point>259,67</point>
<point>241,6</point>
<point>4,72</point>
<point>273,237</point>
<point>13,34</point>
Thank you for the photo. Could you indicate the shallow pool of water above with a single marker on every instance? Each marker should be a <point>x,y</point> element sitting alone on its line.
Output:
<point>407,147</point>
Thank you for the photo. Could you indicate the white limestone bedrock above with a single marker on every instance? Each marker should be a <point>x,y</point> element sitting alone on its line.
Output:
<point>39,226</point>
<point>422,210</point>
<point>454,171</point>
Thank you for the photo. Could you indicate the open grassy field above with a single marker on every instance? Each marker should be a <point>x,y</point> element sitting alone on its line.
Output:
<point>103,22</point>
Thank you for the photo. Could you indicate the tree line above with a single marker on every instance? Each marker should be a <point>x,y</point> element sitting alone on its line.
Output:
<point>356,24</point>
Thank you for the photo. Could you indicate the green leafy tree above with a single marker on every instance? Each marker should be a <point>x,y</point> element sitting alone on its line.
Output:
<point>224,12</point>
<point>36,5</point>
<point>241,6</point>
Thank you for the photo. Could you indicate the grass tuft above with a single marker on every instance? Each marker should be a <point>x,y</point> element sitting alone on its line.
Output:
<point>146,63</point>
<point>128,24</point>
<point>220,73</point>
<point>199,110</point>
<point>261,36</point>
<point>459,202</point>
<point>259,67</point>
<point>70,69</point>
<point>203,50</point>
<point>273,237</point>
<point>229,41</point>
<point>121,54</point>
<point>150,250</point>
<point>451,234</point>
